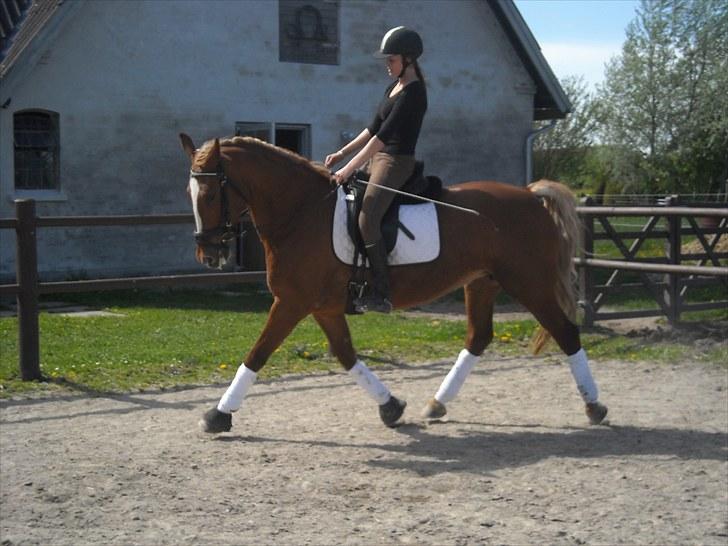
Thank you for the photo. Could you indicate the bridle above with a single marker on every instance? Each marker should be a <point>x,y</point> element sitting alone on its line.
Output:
<point>226,229</point>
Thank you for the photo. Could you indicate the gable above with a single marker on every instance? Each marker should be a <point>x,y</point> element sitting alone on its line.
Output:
<point>550,101</point>
<point>23,21</point>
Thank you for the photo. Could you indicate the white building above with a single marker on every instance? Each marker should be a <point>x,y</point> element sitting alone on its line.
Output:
<point>94,94</point>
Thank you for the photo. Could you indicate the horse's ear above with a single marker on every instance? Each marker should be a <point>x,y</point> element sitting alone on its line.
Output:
<point>187,145</point>
<point>215,153</point>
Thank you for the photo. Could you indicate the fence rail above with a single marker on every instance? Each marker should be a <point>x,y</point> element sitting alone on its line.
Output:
<point>95,285</point>
<point>669,294</point>
<point>27,287</point>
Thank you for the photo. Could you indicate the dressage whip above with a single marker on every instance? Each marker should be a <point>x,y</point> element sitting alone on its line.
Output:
<point>420,197</point>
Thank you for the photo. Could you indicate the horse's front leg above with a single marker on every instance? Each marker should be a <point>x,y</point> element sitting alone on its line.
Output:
<point>479,300</point>
<point>282,319</point>
<point>337,332</point>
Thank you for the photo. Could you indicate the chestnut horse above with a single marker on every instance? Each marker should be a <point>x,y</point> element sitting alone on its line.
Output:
<point>522,242</point>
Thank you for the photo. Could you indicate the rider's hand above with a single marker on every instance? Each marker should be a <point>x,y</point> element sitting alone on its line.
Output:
<point>343,174</point>
<point>333,159</point>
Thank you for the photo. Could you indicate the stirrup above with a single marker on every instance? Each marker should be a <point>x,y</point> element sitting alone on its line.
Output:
<point>376,303</point>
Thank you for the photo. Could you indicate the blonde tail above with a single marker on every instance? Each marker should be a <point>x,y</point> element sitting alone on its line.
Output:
<point>561,205</point>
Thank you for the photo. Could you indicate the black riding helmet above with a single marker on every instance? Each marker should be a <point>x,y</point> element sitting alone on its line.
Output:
<point>401,41</point>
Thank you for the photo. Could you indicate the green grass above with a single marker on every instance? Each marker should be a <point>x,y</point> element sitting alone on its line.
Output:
<point>174,338</point>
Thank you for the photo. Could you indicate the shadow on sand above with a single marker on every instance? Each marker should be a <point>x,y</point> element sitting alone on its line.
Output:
<point>482,452</point>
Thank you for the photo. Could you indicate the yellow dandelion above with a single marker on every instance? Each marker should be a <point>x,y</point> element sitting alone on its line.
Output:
<point>223,366</point>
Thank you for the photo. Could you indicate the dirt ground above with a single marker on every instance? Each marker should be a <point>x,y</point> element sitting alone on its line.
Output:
<point>308,462</point>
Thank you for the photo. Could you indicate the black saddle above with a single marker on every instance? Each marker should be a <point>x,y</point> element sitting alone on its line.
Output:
<point>417,184</point>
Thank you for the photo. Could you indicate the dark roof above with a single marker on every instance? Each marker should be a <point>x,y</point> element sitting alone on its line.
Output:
<point>11,13</point>
<point>550,100</point>
<point>21,21</point>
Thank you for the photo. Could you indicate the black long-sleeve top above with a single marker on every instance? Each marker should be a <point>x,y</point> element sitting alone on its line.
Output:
<point>398,119</point>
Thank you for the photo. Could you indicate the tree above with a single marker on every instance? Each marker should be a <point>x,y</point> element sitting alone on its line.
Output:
<point>664,105</point>
<point>561,152</point>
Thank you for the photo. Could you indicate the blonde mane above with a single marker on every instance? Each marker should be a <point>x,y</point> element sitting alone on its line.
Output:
<point>267,150</point>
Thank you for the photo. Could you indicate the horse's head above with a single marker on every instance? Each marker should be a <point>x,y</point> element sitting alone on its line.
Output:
<point>214,228</point>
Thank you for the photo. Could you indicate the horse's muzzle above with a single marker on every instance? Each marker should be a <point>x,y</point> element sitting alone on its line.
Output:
<point>213,255</point>
<point>213,248</point>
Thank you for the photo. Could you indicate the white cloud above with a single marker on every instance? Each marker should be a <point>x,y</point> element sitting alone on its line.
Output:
<point>585,59</point>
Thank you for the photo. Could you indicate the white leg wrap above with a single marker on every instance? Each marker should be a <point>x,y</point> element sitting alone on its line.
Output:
<point>366,379</point>
<point>454,380</point>
<point>235,393</point>
<point>583,377</point>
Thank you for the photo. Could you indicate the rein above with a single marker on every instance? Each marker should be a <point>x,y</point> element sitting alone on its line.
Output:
<point>225,230</point>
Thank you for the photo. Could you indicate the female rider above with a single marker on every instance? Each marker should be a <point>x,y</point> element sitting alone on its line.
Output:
<point>389,141</point>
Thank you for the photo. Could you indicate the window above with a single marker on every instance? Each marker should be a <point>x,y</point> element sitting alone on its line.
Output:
<point>292,136</point>
<point>249,253</point>
<point>37,150</point>
<point>296,138</point>
<point>257,130</point>
<point>308,31</point>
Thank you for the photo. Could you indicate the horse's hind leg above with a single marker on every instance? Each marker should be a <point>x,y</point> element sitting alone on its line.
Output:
<point>545,307</point>
<point>479,299</point>
<point>566,335</point>
<point>337,332</point>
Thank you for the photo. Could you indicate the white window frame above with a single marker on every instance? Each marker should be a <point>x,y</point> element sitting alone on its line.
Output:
<point>269,129</point>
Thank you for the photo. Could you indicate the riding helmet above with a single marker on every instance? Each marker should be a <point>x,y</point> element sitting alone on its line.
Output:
<point>401,41</point>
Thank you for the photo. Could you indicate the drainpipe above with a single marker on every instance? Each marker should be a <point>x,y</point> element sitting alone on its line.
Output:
<point>529,149</point>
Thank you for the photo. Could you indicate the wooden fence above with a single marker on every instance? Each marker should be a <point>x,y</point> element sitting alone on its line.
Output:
<point>668,279</point>
<point>670,294</point>
<point>28,288</point>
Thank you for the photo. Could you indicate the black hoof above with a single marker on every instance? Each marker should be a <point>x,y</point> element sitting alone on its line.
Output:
<point>391,411</point>
<point>596,413</point>
<point>215,421</point>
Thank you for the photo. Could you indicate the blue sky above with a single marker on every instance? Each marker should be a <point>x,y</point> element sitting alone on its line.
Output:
<point>578,37</point>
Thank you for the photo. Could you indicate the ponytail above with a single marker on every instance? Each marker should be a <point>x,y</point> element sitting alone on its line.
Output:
<point>418,71</point>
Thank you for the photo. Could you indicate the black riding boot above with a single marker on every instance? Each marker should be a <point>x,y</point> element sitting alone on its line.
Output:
<point>377,299</point>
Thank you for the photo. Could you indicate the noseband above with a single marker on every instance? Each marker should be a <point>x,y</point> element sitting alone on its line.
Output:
<point>226,229</point>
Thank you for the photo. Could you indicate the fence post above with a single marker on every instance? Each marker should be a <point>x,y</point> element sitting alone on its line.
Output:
<point>586,276</point>
<point>27,273</point>
<point>672,293</point>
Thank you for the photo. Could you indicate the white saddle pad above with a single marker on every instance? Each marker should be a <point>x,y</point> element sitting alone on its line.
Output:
<point>420,220</point>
